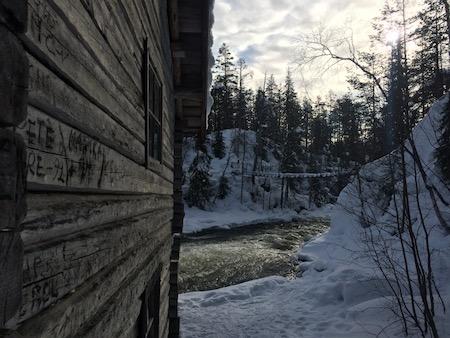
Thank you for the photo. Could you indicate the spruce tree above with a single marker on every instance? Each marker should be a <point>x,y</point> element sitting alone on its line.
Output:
<point>243,113</point>
<point>224,188</point>
<point>320,135</point>
<point>274,110</point>
<point>347,116</point>
<point>427,75</point>
<point>372,105</point>
<point>224,90</point>
<point>396,120</point>
<point>199,191</point>
<point>218,145</point>
<point>260,126</point>
<point>292,149</point>
<point>318,193</point>
<point>306,118</point>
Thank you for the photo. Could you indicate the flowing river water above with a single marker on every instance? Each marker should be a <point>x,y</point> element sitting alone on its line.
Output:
<point>216,258</point>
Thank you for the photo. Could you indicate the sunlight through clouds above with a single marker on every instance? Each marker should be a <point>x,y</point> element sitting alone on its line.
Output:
<point>265,33</point>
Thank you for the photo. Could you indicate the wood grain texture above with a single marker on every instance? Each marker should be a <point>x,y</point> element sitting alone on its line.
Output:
<point>13,13</point>
<point>61,157</point>
<point>118,316</point>
<point>75,311</point>
<point>52,95</point>
<point>51,270</point>
<point>53,215</point>
<point>54,43</point>
<point>11,257</point>
<point>12,180</point>
<point>13,79</point>
<point>91,38</point>
<point>12,211</point>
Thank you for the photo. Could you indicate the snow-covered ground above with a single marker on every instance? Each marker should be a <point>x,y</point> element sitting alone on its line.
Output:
<point>237,215</point>
<point>196,219</point>
<point>262,207</point>
<point>341,292</point>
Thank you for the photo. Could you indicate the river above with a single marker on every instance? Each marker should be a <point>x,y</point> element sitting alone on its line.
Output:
<point>216,258</point>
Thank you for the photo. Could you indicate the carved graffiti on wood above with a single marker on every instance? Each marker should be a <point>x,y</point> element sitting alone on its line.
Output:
<point>60,155</point>
<point>43,24</point>
<point>51,273</point>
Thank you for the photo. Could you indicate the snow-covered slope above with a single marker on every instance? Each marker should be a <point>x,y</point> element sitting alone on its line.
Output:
<point>257,204</point>
<point>342,292</point>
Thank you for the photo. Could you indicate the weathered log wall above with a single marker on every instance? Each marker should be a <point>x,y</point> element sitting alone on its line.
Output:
<point>13,110</point>
<point>99,217</point>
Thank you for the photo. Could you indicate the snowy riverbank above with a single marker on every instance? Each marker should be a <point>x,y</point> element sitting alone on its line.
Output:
<point>247,201</point>
<point>226,218</point>
<point>341,292</point>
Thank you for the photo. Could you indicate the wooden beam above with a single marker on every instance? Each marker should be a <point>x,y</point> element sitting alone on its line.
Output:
<point>14,14</point>
<point>13,79</point>
<point>173,20</point>
<point>13,102</point>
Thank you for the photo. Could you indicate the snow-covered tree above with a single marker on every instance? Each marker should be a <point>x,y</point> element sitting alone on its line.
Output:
<point>199,191</point>
<point>260,124</point>
<point>346,116</point>
<point>224,188</point>
<point>224,90</point>
<point>218,145</point>
<point>275,110</point>
<point>292,149</point>
<point>243,110</point>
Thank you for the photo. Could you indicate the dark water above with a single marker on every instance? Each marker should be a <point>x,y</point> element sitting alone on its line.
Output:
<point>216,258</point>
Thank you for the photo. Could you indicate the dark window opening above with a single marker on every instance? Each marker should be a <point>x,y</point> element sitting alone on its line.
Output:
<point>153,109</point>
<point>149,315</point>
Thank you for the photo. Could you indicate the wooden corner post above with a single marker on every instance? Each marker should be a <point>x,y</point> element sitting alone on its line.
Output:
<point>13,110</point>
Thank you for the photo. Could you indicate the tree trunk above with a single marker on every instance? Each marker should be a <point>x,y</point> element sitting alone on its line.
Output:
<point>447,17</point>
<point>243,170</point>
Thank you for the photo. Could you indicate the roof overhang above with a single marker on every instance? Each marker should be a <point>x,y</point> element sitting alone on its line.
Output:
<point>190,29</point>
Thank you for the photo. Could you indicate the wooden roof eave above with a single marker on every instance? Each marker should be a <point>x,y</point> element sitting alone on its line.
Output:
<point>190,33</point>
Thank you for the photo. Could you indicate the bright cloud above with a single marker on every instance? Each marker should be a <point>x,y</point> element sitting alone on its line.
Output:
<point>264,32</point>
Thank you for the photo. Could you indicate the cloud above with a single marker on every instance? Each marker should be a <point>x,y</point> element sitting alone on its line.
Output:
<point>264,32</point>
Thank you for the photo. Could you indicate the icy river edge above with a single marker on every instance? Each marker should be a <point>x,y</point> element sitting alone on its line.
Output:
<point>216,258</point>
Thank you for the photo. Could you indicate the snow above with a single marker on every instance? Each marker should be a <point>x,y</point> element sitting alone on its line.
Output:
<point>230,212</point>
<point>234,216</point>
<point>341,293</point>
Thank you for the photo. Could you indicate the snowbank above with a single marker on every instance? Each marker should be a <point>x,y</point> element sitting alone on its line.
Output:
<point>342,292</point>
<point>197,220</point>
<point>237,215</point>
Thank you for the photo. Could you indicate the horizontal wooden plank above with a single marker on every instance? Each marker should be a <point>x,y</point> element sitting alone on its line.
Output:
<point>62,157</point>
<point>114,20</point>
<point>52,270</point>
<point>142,29</point>
<point>52,95</point>
<point>13,78</point>
<point>57,215</point>
<point>51,41</point>
<point>116,319</point>
<point>126,83</point>
<point>135,30</point>
<point>13,13</point>
<point>112,26</point>
<point>76,311</point>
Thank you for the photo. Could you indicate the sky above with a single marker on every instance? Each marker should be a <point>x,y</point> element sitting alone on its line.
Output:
<point>266,34</point>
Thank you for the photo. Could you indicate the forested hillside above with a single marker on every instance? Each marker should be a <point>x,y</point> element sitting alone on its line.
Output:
<point>273,148</point>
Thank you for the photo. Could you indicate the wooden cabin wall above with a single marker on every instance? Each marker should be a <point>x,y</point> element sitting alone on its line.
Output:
<point>99,219</point>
